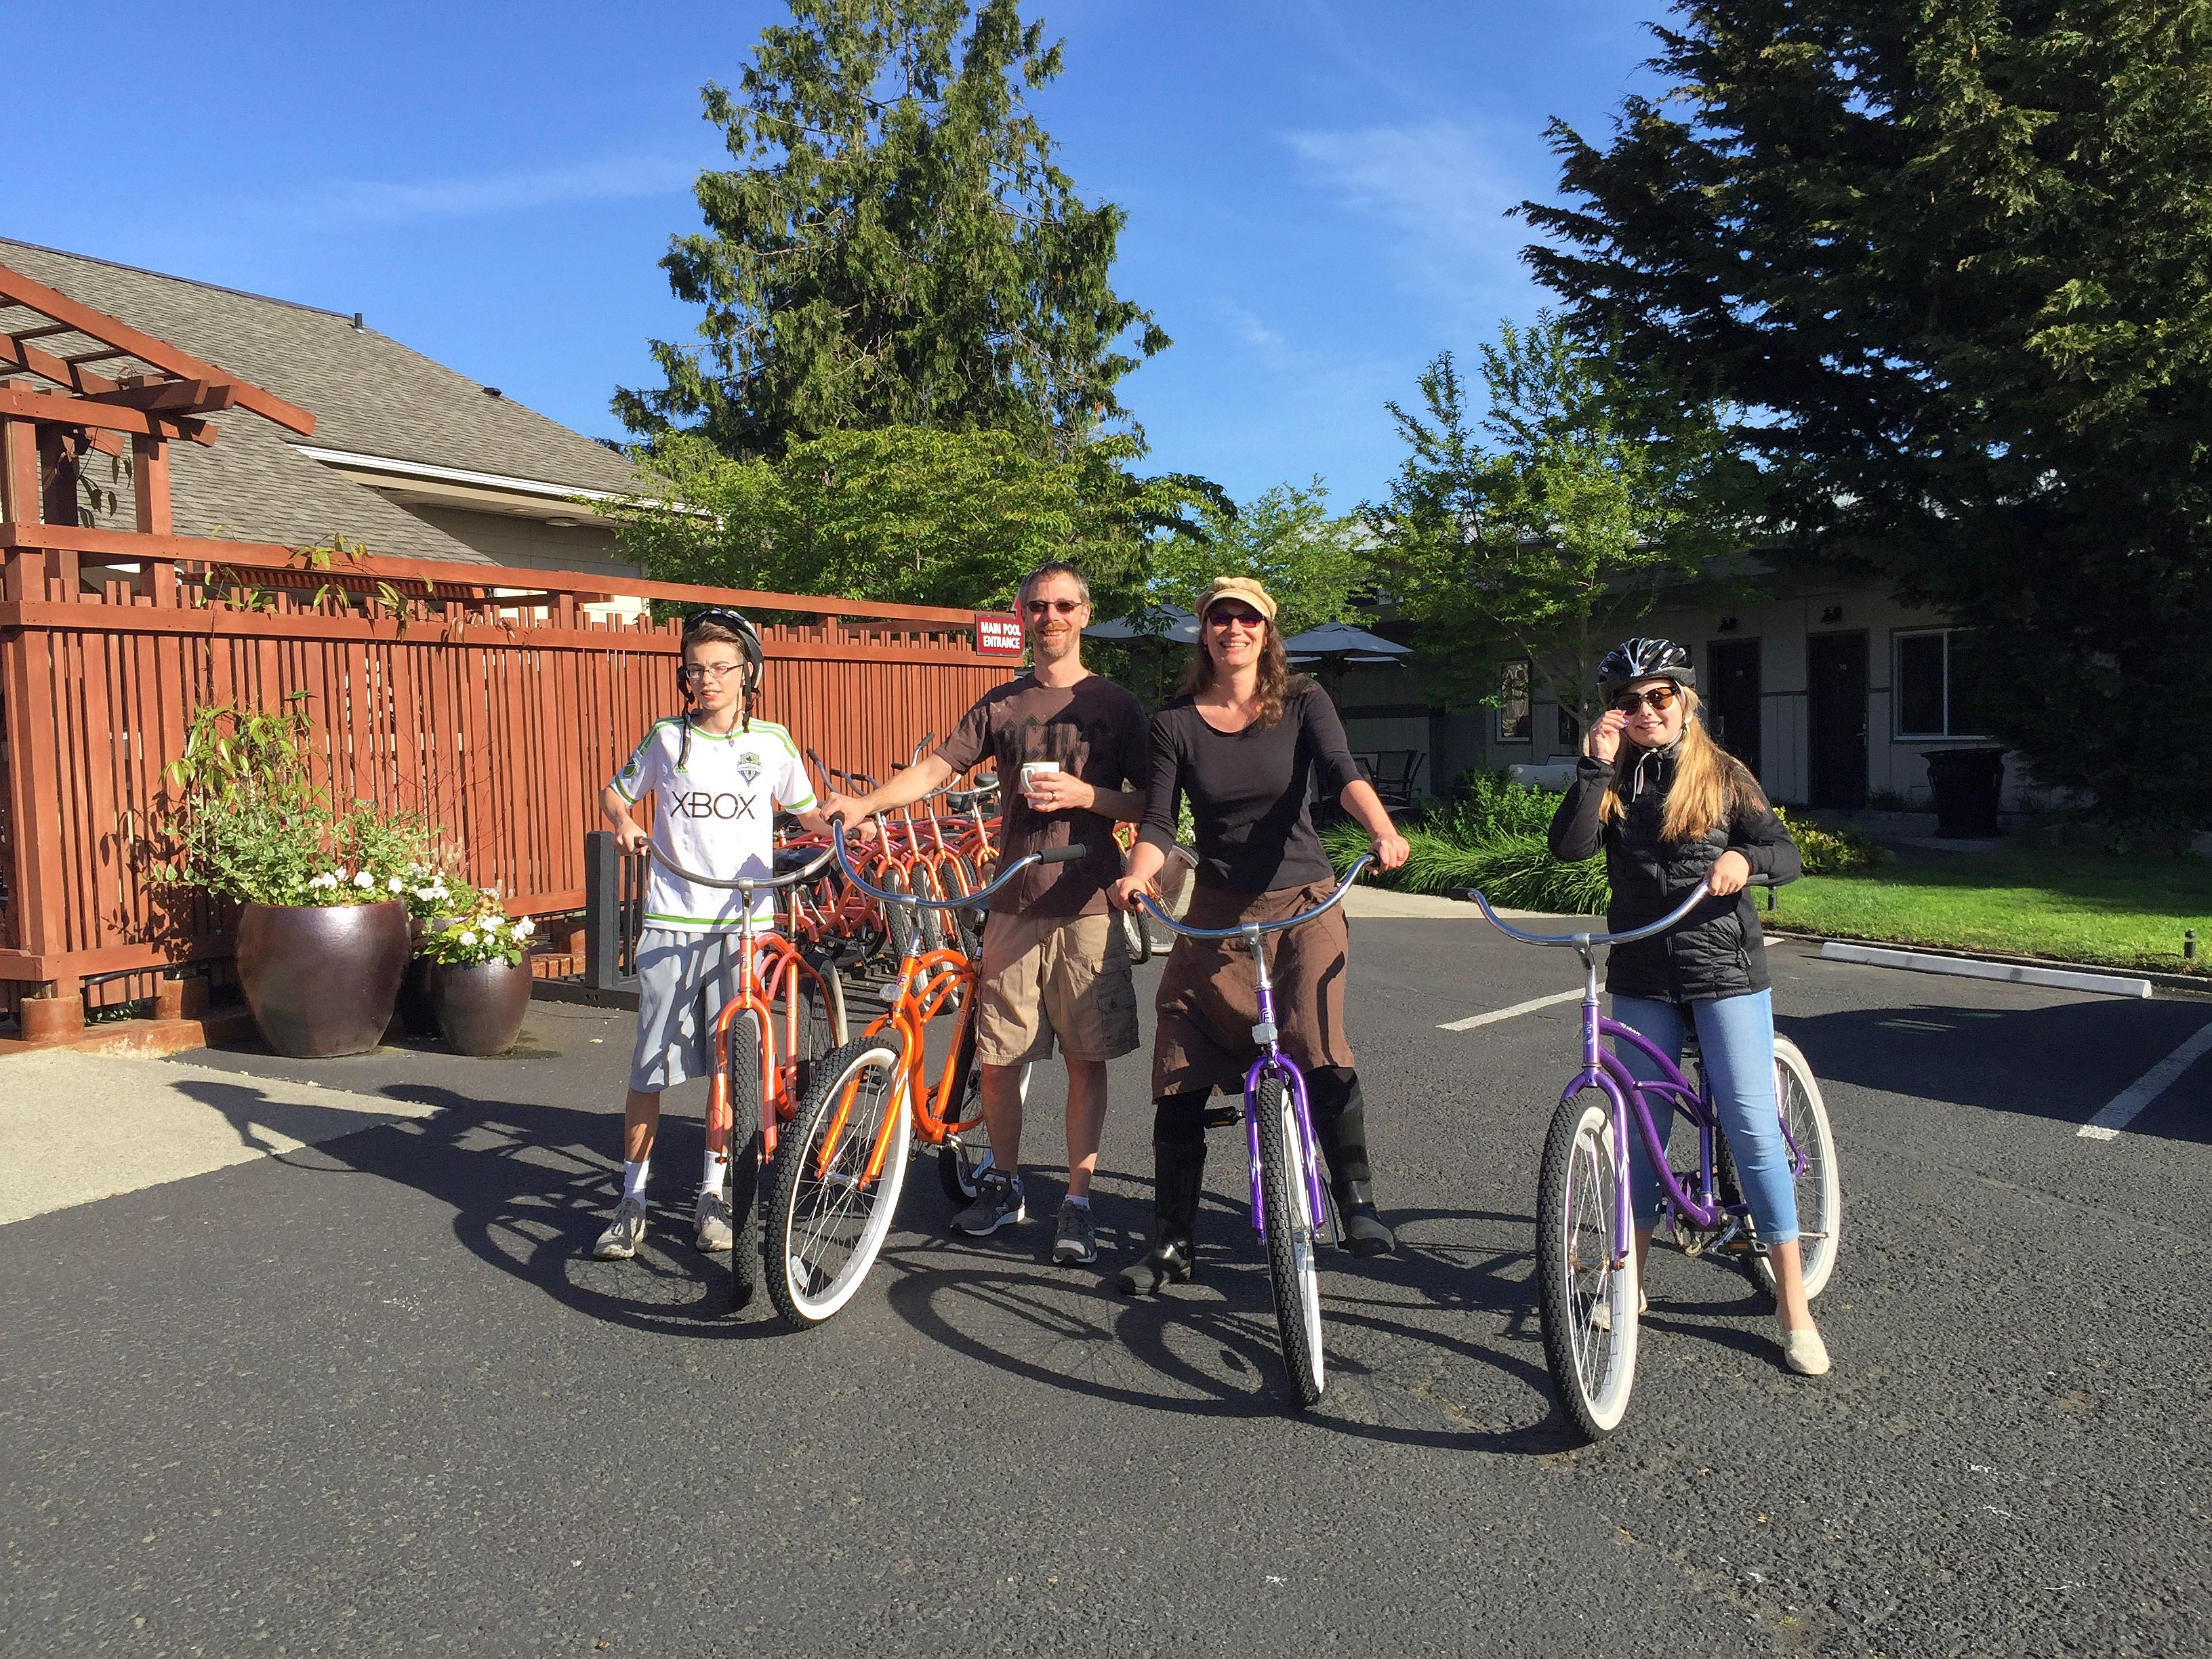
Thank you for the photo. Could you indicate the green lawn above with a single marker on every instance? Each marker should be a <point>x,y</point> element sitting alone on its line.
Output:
<point>2122,911</point>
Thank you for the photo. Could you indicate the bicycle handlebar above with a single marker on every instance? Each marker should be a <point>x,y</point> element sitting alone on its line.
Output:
<point>1698,894</point>
<point>1050,855</point>
<point>1252,928</point>
<point>747,884</point>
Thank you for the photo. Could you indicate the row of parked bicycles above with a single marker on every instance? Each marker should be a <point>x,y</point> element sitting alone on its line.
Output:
<point>850,1043</point>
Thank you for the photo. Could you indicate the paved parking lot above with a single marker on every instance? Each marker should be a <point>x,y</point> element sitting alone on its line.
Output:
<point>368,1395</point>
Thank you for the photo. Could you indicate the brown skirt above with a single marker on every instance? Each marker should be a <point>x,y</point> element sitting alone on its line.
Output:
<point>1209,997</point>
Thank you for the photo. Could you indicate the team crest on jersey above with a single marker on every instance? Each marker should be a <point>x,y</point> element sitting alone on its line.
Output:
<point>749,766</point>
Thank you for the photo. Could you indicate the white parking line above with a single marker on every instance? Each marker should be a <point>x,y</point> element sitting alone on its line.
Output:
<point>1497,1014</point>
<point>2121,1109</point>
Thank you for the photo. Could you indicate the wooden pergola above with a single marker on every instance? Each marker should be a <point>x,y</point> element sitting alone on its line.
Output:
<point>148,394</point>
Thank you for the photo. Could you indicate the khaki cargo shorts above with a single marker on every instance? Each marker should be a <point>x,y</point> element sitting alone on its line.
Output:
<point>1054,976</point>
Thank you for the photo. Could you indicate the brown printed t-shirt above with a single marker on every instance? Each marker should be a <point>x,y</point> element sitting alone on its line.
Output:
<point>1096,730</point>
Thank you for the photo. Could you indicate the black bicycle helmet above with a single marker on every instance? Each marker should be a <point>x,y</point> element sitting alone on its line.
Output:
<point>1645,659</point>
<point>749,646</point>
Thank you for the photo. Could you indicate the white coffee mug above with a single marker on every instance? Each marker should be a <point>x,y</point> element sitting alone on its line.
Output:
<point>1030,769</point>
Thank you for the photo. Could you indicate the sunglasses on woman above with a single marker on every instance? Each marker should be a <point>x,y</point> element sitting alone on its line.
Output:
<point>1658,699</point>
<point>1225,615</point>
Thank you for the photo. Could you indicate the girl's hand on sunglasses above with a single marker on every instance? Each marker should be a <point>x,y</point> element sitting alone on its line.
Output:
<point>1603,742</point>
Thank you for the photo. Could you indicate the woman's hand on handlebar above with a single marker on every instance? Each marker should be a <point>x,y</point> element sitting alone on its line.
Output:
<point>1122,895</point>
<point>1391,849</point>
<point>1729,872</point>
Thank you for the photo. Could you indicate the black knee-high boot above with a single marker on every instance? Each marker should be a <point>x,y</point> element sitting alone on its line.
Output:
<point>1339,1115</point>
<point>1178,1178</point>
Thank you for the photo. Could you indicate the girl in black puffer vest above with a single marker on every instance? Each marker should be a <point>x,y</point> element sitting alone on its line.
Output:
<point>1670,808</point>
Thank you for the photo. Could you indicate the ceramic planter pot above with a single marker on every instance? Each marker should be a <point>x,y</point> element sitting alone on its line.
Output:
<point>321,980</point>
<point>481,1005</point>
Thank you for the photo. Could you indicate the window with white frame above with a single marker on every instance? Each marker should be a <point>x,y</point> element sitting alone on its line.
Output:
<point>1516,721</point>
<point>1934,685</point>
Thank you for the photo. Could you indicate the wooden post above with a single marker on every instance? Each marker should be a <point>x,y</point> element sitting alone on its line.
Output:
<point>19,472</point>
<point>150,489</point>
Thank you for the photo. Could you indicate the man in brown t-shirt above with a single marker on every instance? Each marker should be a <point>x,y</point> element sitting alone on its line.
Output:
<point>1072,751</point>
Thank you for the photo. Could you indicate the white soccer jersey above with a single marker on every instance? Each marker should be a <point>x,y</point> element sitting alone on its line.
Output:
<point>715,815</point>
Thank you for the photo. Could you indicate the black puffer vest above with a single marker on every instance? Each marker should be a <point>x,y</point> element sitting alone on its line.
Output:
<point>1718,950</point>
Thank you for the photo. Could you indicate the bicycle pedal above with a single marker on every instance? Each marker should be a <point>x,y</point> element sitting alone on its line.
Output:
<point>1223,1117</point>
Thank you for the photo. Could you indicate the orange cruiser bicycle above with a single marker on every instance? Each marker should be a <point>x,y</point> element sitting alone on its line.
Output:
<point>834,1190</point>
<point>785,1016</point>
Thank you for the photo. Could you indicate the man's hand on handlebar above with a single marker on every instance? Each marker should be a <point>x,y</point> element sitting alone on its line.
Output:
<point>1390,849</point>
<point>630,837</point>
<point>858,826</point>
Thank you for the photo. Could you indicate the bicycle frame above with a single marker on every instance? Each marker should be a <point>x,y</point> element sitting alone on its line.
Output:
<point>756,995</point>
<point>926,983</point>
<point>1272,1060</point>
<point>1606,1073</point>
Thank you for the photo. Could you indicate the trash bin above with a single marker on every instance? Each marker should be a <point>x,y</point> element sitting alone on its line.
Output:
<point>1969,787</point>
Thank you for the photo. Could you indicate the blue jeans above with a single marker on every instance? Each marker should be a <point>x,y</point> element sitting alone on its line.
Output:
<point>1736,1036</point>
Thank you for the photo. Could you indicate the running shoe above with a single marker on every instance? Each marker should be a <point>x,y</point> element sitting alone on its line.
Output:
<point>713,1223</point>
<point>998,1203</point>
<point>1074,1237</point>
<point>620,1241</point>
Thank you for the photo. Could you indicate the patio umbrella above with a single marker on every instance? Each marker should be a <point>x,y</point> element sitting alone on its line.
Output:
<point>1170,623</point>
<point>1335,646</point>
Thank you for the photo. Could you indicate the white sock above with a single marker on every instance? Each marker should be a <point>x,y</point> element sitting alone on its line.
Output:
<point>1081,1201</point>
<point>634,1178</point>
<point>716,1174</point>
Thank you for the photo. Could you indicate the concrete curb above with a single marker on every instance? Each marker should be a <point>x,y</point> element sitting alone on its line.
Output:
<point>2061,979</point>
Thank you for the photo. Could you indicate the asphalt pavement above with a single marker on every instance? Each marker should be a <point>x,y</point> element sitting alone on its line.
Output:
<point>370,1395</point>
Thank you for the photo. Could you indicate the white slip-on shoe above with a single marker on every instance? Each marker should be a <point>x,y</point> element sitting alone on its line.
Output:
<point>1804,1351</point>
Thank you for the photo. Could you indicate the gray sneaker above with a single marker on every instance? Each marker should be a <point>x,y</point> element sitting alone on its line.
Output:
<point>620,1241</point>
<point>998,1203</point>
<point>1074,1238</point>
<point>713,1232</point>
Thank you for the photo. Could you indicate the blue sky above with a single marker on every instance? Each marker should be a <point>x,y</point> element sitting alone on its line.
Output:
<point>1314,187</point>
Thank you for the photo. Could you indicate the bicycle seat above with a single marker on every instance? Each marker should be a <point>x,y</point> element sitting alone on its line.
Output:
<point>788,858</point>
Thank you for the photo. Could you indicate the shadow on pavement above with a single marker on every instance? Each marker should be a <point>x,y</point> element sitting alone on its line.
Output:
<point>530,1188</point>
<point>2060,1062</point>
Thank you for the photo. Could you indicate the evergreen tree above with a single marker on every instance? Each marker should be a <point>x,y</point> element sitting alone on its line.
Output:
<point>895,246</point>
<point>1957,260</point>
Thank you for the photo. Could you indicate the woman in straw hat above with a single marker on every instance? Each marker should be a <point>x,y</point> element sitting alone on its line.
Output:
<point>1245,742</point>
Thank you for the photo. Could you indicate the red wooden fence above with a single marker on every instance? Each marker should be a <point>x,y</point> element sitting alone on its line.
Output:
<point>495,700</point>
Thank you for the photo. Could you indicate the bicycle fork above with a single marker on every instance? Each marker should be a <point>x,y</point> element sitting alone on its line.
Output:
<point>1271,1060</point>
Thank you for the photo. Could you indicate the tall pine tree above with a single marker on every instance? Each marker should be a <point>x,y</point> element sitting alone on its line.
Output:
<point>1956,260</point>
<point>895,246</point>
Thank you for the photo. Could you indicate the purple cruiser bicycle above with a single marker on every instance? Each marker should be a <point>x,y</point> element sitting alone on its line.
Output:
<point>1289,1199</point>
<point>1586,1270</point>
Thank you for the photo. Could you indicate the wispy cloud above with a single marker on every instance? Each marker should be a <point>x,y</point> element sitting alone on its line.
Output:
<point>1440,191</point>
<point>488,195</point>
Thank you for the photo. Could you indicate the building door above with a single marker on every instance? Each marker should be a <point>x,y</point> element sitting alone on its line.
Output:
<point>1733,694</point>
<point>1836,718</point>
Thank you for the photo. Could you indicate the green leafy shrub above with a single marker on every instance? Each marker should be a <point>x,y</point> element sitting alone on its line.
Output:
<point>1831,852</point>
<point>248,820</point>
<point>1515,871</point>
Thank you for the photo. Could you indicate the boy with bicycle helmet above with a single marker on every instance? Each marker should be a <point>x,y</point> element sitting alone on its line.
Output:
<point>1670,807</point>
<point>717,777</point>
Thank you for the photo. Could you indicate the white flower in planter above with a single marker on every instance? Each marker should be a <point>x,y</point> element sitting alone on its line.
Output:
<point>363,880</point>
<point>468,939</point>
<point>394,885</point>
<point>524,927</point>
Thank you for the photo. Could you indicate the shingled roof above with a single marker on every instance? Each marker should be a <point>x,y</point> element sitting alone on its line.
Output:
<point>370,395</point>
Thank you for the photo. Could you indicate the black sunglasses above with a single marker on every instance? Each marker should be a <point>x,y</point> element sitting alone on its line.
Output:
<point>1658,699</point>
